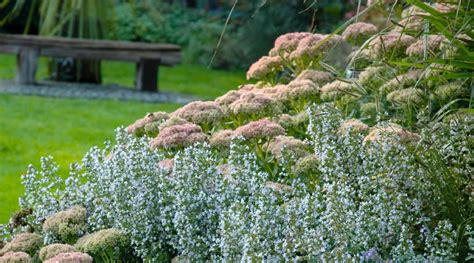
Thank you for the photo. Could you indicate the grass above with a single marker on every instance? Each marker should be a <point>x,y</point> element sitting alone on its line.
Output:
<point>31,127</point>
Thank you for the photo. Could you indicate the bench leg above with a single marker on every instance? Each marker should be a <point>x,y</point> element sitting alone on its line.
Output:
<point>26,64</point>
<point>147,75</point>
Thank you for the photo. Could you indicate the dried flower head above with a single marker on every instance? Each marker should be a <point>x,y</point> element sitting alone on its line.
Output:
<point>317,77</point>
<point>410,24</point>
<point>307,166</point>
<point>179,136</point>
<point>445,7</point>
<point>66,225</point>
<point>373,76</point>
<point>412,19</point>
<point>287,147</point>
<point>361,58</point>
<point>19,218</point>
<point>359,32</point>
<point>172,122</point>
<point>261,129</point>
<point>353,126</point>
<point>433,44</point>
<point>152,129</point>
<point>335,90</point>
<point>435,70</point>
<point>229,97</point>
<point>392,132</point>
<point>221,139</point>
<point>16,257</point>
<point>138,127</point>
<point>104,240</point>
<point>285,120</point>
<point>450,91</point>
<point>389,43</point>
<point>25,242</point>
<point>255,102</point>
<point>412,11</point>
<point>263,67</point>
<point>289,121</point>
<point>201,112</point>
<point>402,81</point>
<point>53,250</point>
<point>409,96</point>
<point>368,110</point>
<point>71,257</point>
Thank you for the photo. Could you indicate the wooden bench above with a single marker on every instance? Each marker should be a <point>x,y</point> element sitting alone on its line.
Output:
<point>148,57</point>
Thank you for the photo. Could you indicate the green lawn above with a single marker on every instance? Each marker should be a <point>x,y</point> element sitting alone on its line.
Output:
<point>31,127</point>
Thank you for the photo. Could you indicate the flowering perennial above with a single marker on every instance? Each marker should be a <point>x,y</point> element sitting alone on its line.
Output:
<point>179,136</point>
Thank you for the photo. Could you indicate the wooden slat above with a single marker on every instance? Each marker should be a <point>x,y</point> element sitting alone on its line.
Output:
<point>61,42</point>
<point>166,58</point>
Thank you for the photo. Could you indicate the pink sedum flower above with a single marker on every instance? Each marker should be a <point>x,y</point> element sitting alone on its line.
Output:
<point>359,32</point>
<point>287,147</point>
<point>16,257</point>
<point>433,44</point>
<point>391,131</point>
<point>254,102</point>
<point>229,97</point>
<point>301,89</point>
<point>263,67</point>
<point>179,136</point>
<point>71,257</point>
<point>139,125</point>
<point>221,139</point>
<point>402,81</point>
<point>260,129</point>
<point>287,43</point>
<point>335,90</point>
<point>354,126</point>
<point>317,77</point>
<point>315,46</point>
<point>201,112</point>
<point>409,96</point>
<point>391,42</point>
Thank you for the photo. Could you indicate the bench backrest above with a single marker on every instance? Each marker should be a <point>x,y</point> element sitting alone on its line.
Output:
<point>168,54</point>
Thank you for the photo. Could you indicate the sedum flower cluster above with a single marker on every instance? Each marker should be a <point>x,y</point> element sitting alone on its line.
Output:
<point>52,250</point>
<point>66,226</point>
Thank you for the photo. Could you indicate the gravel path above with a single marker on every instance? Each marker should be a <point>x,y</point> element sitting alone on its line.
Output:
<point>90,91</point>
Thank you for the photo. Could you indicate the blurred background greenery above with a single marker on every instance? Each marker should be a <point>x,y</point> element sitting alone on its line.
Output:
<point>194,24</point>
